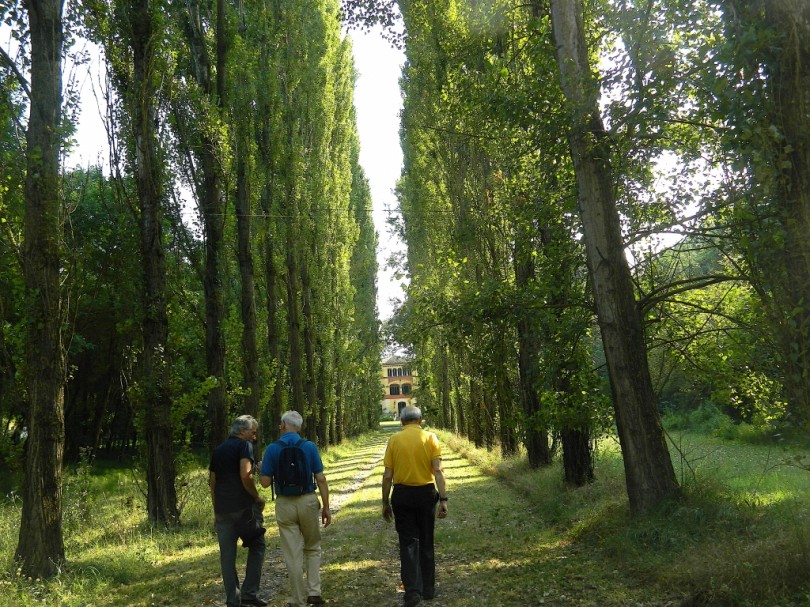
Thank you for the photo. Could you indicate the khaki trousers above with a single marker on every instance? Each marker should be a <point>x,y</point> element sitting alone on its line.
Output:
<point>299,527</point>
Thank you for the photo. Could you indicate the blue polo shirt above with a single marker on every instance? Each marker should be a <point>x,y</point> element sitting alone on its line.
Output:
<point>273,451</point>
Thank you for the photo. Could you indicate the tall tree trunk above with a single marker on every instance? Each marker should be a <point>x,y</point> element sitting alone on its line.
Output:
<point>250,355</point>
<point>577,456</point>
<point>321,405</point>
<point>575,438</point>
<point>477,414</point>
<point>506,411</point>
<point>161,496</point>
<point>214,220</point>
<point>444,395</point>
<point>40,550</point>
<point>271,304</point>
<point>213,213</point>
<point>461,414</point>
<point>787,68</point>
<point>536,434</point>
<point>488,417</point>
<point>791,78</point>
<point>271,275</point>
<point>308,321</point>
<point>340,382</point>
<point>9,388</point>
<point>294,329</point>
<point>648,468</point>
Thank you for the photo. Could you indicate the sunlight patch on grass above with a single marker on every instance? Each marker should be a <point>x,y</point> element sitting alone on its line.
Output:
<point>357,565</point>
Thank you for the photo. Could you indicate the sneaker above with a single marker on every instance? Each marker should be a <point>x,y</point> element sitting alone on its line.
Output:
<point>315,599</point>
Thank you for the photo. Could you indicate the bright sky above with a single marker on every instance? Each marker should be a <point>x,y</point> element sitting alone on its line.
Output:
<point>378,102</point>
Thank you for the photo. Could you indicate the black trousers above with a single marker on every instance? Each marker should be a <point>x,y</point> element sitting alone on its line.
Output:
<point>415,518</point>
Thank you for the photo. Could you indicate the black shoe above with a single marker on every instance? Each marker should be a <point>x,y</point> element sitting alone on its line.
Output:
<point>315,599</point>
<point>428,595</point>
<point>255,601</point>
<point>411,600</point>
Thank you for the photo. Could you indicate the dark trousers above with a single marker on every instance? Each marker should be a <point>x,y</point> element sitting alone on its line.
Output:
<point>415,517</point>
<point>228,541</point>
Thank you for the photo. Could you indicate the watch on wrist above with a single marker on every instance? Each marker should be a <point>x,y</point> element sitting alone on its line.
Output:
<point>442,499</point>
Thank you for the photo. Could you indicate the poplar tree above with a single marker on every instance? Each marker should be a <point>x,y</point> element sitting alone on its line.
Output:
<point>40,548</point>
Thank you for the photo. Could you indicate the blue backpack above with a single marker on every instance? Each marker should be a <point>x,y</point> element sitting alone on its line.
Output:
<point>291,473</point>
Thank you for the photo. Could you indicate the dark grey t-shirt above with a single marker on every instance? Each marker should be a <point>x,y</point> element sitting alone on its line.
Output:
<point>229,493</point>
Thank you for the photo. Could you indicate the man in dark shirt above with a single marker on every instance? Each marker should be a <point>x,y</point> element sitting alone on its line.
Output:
<point>235,498</point>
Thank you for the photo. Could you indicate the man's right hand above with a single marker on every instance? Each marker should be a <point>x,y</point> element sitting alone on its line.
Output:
<point>387,512</point>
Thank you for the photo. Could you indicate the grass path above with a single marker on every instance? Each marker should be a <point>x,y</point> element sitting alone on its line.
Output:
<point>492,550</point>
<point>514,537</point>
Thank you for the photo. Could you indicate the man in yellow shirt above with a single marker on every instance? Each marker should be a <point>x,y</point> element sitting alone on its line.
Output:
<point>413,464</point>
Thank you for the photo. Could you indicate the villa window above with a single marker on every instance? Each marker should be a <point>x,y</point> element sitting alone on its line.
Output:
<point>394,390</point>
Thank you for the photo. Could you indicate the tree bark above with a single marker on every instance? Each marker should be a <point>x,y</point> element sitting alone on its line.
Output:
<point>791,78</point>
<point>213,214</point>
<point>312,407</point>
<point>535,434</point>
<point>294,329</point>
<point>321,405</point>
<point>444,376</point>
<point>250,356</point>
<point>506,414</point>
<point>577,456</point>
<point>463,424</point>
<point>650,476</point>
<point>787,68</point>
<point>40,549</point>
<point>161,495</point>
<point>340,421</point>
<point>271,275</point>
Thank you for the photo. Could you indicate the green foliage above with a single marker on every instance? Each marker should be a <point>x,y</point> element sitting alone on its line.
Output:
<point>486,200</point>
<point>707,418</point>
<point>711,343</point>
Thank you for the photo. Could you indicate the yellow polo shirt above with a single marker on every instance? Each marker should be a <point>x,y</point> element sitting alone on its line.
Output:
<point>410,454</point>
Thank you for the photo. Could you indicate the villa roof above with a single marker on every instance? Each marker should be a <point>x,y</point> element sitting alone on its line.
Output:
<point>397,360</point>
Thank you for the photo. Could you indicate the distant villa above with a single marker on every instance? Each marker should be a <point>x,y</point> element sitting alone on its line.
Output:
<point>398,380</point>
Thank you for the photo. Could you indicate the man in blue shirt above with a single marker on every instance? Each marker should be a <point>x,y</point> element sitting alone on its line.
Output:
<point>297,516</point>
<point>234,495</point>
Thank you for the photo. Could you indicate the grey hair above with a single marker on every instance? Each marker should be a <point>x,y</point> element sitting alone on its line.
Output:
<point>243,422</point>
<point>293,419</point>
<point>410,413</point>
